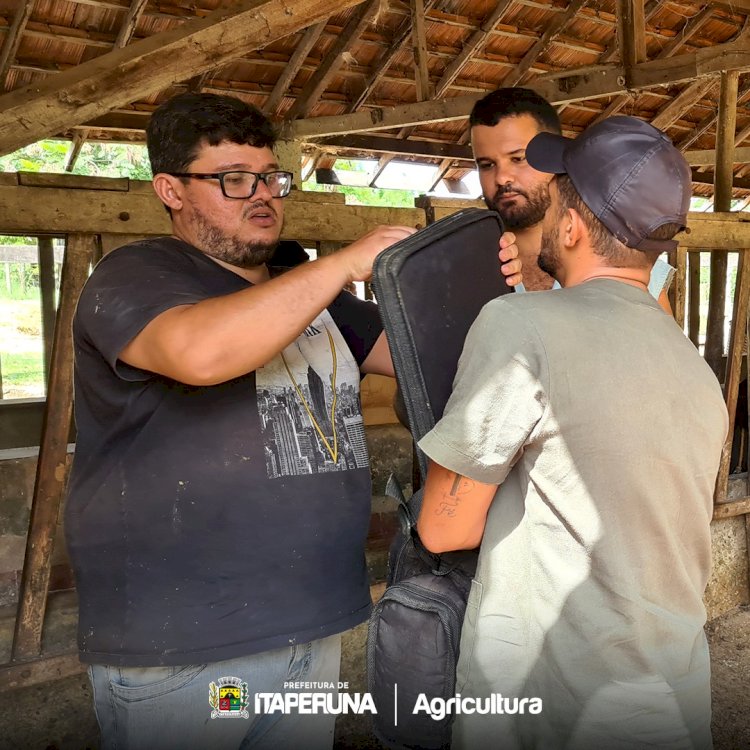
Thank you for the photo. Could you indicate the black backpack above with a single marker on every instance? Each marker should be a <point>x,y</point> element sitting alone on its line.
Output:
<point>430,287</point>
<point>414,634</point>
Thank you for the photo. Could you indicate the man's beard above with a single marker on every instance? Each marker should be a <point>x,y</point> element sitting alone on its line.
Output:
<point>517,217</point>
<point>242,254</point>
<point>549,254</point>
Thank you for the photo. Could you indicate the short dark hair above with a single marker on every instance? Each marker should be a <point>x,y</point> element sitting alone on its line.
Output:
<point>184,123</point>
<point>605,244</point>
<point>511,102</point>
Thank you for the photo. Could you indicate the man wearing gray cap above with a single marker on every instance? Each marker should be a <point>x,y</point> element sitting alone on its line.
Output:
<point>580,447</point>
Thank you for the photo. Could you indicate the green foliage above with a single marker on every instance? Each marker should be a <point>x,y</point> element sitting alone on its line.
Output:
<point>22,369</point>
<point>95,159</point>
<point>364,196</point>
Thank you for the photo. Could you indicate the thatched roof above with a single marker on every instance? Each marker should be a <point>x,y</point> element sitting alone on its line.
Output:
<point>80,68</point>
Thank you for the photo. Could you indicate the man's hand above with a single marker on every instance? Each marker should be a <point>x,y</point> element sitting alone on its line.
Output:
<point>511,266</point>
<point>360,255</point>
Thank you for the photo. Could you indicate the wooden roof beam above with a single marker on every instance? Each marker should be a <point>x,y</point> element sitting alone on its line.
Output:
<point>419,45</point>
<point>706,178</point>
<point>690,95</point>
<point>708,122</point>
<point>399,147</point>
<point>707,157</point>
<point>317,84</point>
<point>13,38</point>
<point>399,40</point>
<point>631,33</point>
<point>553,28</point>
<point>146,67</point>
<point>296,61</point>
<point>131,21</point>
<point>687,31</point>
<point>559,88</point>
<point>475,42</point>
<point>613,49</point>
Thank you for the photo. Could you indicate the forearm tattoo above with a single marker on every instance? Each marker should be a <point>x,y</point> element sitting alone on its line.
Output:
<point>460,486</point>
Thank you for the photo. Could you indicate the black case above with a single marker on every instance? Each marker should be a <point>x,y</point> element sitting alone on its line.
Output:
<point>430,288</point>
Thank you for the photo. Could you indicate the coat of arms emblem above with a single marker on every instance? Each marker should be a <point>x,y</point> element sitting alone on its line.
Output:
<point>228,697</point>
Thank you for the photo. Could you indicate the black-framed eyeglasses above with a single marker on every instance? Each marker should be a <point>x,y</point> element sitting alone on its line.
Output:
<point>242,185</point>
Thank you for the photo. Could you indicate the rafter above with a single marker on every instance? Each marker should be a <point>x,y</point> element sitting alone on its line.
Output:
<point>707,157</point>
<point>691,94</point>
<point>148,66</point>
<point>131,21</point>
<point>13,38</point>
<point>686,33</point>
<point>419,45</point>
<point>557,89</point>
<point>475,42</point>
<point>631,32</point>
<point>317,84</point>
<point>296,61</point>
<point>384,62</point>
<point>708,122</point>
<point>551,31</point>
<point>613,50</point>
<point>75,148</point>
<point>399,147</point>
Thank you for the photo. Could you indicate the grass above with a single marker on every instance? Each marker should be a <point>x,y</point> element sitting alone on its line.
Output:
<point>21,348</point>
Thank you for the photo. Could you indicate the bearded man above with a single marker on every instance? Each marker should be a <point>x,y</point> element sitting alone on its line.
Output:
<point>502,124</point>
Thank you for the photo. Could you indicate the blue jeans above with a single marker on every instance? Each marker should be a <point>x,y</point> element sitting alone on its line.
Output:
<point>167,708</point>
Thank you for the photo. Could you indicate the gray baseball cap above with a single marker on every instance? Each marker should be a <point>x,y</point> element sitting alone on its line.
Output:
<point>627,172</point>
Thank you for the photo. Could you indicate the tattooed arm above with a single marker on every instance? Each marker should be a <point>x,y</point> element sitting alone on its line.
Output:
<point>454,510</point>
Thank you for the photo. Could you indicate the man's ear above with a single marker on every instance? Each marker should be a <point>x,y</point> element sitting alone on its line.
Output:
<point>169,189</point>
<point>573,229</point>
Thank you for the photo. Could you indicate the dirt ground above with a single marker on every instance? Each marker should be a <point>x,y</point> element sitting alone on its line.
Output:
<point>729,639</point>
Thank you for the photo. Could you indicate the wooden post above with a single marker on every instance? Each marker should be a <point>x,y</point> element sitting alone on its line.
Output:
<point>722,202</point>
<point>421,72</point>
<point>734,365</point>
<point>47,297</point>
<point>49,486</point>
<point>679,287</point>
<point>694,295</point>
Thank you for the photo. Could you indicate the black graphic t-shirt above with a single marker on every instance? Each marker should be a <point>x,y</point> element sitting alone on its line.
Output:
<point>205,523</point>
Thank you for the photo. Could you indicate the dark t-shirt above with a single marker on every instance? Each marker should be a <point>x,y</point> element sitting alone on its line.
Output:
<point>205,523</point>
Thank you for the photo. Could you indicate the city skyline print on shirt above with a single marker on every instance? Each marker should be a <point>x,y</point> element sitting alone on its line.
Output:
<point>309,405</point>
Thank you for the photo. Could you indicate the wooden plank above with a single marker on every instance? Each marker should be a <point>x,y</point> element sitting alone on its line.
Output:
<point>631,32</point>
<point>131,21</point>
<point>50,475</point>
<point>35,210</point>
<point>419,46</point>
<point>148,66</point>
<point>679,287</point>
<point>475,42</point>
<point>390,145</point>
<point>39,671</point>
<point>731,509</point>
<point>47,297</point>
<point>296,61</point>
<point>690,95</point>
<point>693,283</point>
<point>334,58</point>
<point>706,178</point>
<point>553,28</point>
<point>13,38</point>
<point>714,349</point>
<point>707,157</point>
<point>734,366</point>
<point>725,135</point>
<point>607,80</point>
<point>75,148</point>
<point>73,181</point>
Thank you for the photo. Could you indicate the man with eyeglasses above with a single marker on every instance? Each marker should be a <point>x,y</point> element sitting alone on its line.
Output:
<point>220,494</point>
